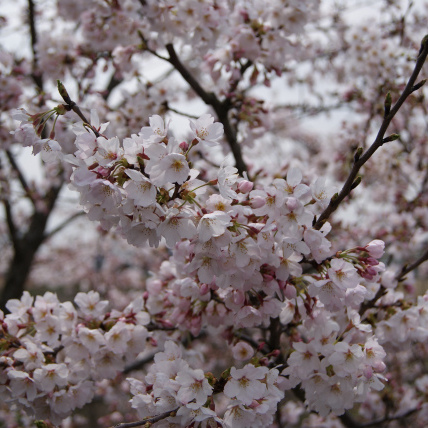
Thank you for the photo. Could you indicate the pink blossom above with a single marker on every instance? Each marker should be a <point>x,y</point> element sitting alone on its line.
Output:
<point>206,131</point>
<point>375,248</point>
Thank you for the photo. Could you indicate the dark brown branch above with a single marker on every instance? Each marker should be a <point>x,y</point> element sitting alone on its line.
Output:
<point>10,223</point>
<point>209,98</point>
<point>148,421</point>
<point>25,248</point>
<point>243,69</point>
<point>378,142</point>
<point>21,177</point>
<point>65,223</point>
<point>348,421</point>
<point>379,422</point>
<point>406,269</point>
<point>4,192</point>
<point>139,364</point>
<point>399,277</point>
<point>372,302</point>
<point>33,37</point>
<point>114,81</point>
<point>169,108</point>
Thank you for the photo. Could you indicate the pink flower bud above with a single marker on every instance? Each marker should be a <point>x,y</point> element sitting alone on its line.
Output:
<point>375,248</point>
<point>366,275</point>
<point>292,204</point>
<point>245,186</point>
<point>257,202</point>
<point>104,172</point>
<point>371,271</point>
<point>290,292</point>
<point>184,146</point>
<point>371,261</point>
<point>205,288</point>
<point>379,366</point>
<point>238,297</point>
<point>264,361</point>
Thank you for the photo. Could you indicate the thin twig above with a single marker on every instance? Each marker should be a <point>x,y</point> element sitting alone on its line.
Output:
<point>65,223</point>
<point>406,269</point>
<point>36,76</point>
<point>136,365</point>
<point>181,113</point>
<point>372,302</point>
<point>148,421</point>
<point>379,422</point>
<point>350,183</point>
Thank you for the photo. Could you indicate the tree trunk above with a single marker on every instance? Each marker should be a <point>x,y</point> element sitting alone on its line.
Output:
<point>25,248</point>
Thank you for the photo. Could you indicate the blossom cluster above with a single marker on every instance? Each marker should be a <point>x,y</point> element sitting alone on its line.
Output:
<point>53,353</point>
<point>249,267</point>
<point>335,368</point>
<point>171,384</point>
<point>237,262</point>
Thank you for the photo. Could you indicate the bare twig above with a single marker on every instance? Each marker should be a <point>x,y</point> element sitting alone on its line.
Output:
<point>63,224</point>
<point>379,422</point>
<point>33,37</point>
<point>350,183</point>
<point>181,113</point>
<point>372,302</point>
<point>136,365</point>
<point>399,277</point>
<point>408,268</point>
<point>148,421</point>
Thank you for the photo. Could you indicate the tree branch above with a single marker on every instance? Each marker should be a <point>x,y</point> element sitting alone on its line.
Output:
<point>209,98</point>
<point>350,183</point>
<point>21,177</point>
<point>33,37</point>
<point>10,223</point>
<point>406,269</point>
<point>148,421</point>
<point>61,226</point>
<point>379,422</point>
<point>136,365</point>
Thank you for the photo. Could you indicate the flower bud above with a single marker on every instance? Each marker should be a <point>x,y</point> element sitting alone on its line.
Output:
<point>205,288</point>
<point>290,292</point>
<point>379,366</point>
<point>257,202</point>
<point>371,261</point>
<point>245,186</point>
<point>184,146</point>
<point>238,297</point>
<point>292,203</point>
<point>375,248</point>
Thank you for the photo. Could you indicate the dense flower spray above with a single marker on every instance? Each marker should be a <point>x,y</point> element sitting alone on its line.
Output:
<point>259,306</point>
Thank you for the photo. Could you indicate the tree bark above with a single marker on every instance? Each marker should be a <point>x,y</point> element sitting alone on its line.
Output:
<point>25,248</point>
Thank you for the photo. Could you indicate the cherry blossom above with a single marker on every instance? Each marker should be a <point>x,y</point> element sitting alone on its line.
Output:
<point>252,297</point>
